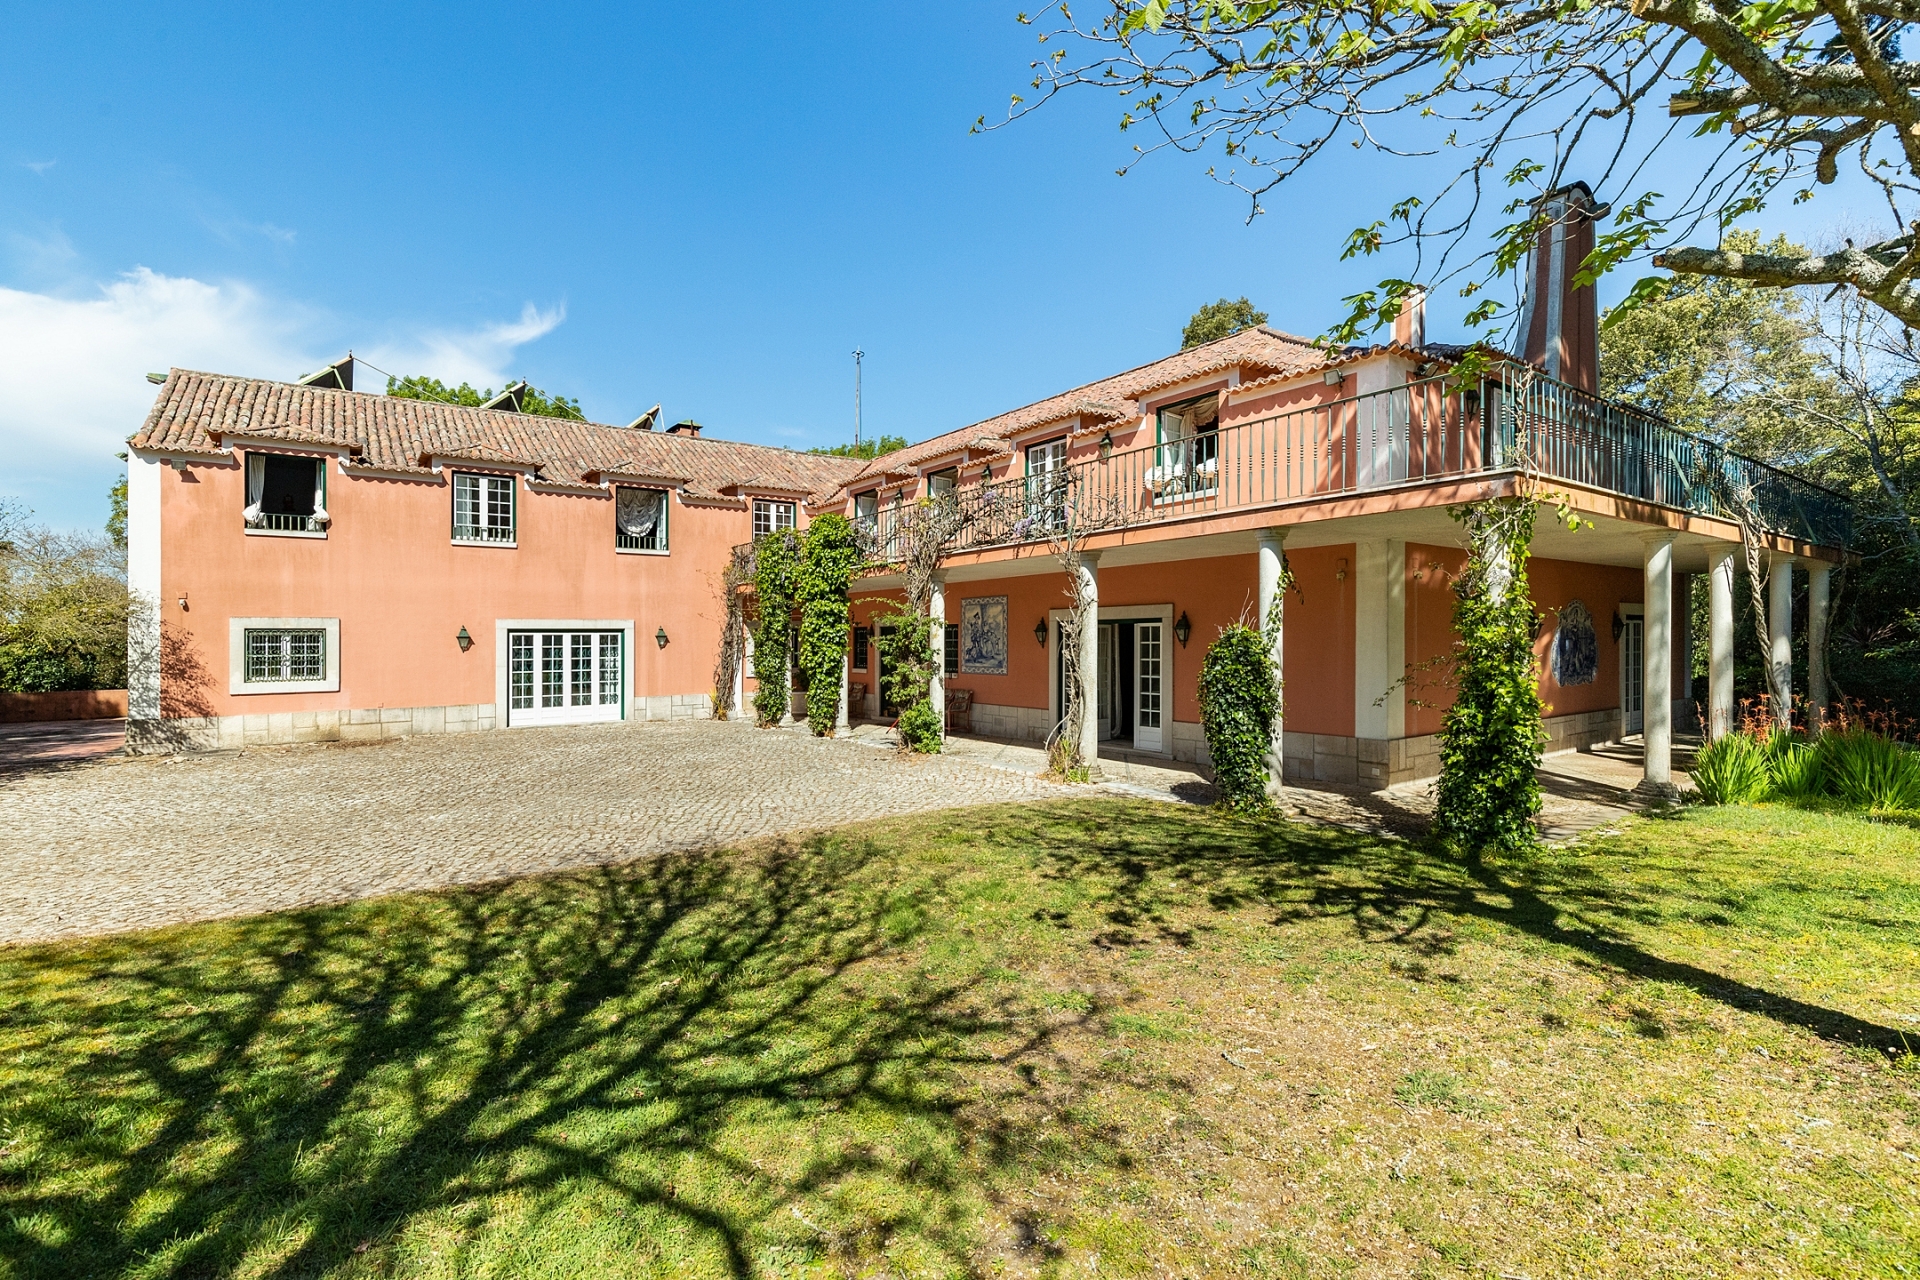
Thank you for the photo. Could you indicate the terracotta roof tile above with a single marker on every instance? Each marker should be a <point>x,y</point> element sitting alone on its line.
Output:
<point>1114,398</point>
<point>194,412</point>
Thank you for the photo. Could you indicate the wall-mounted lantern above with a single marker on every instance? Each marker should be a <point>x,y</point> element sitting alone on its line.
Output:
<point>1040,632</point>
<point>1182,629</point>
<point>1618,626</point>
<point>1106,445</point>
<point>1340,573</point>
<point>464,639</point>
<point>183,602</point>
<point>660,637</point>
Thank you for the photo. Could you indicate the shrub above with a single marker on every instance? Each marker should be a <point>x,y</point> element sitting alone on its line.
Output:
<point>1868,770</point>
<point>1238,699</point>
<point>1795,768</point>
<point>830,557</point>
<point>907,661</point>
<point>919,727</point>
<point>1732,770</point>
<point>63,610</point>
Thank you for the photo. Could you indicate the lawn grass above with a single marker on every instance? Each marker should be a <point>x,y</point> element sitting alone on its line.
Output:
<point>1092,1037</point>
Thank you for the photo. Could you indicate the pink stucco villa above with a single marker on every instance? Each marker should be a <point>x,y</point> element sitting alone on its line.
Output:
<point>324,564</point>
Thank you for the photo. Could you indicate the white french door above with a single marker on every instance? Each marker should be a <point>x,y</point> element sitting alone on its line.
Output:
<point>1147,687</point>
<point>1109,683</point>
<point>1633,675</point>
<point>565,677</point>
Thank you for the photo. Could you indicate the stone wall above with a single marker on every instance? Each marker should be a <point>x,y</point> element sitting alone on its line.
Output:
<point>78,704</point>
<point>215,733</point>
<point>1378,762</point>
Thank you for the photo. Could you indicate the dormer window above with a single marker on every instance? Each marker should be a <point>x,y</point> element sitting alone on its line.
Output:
<point>1187,460</point>
<point>640,519</point>
<point>286,495</point>
<point>770,515</point>
<point>483,509</point>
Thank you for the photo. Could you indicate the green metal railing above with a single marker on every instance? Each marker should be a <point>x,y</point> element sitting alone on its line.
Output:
<point>1421,432</point>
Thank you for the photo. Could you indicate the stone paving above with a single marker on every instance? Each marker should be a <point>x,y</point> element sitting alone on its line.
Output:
<point>49,741</point>
<point>132,842</point>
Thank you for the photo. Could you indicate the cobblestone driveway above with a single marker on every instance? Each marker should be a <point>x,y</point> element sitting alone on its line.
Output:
<point>129,843</point>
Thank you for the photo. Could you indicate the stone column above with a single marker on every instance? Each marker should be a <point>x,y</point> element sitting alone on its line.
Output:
<point>1089,640</point>
<point>1780,628</point>
<point>1656,697</point>
<point>1817,693</point>
<point>1720,642</point>
<point>937,611</point>
<point>1379,656</point>
<point>1272,626</point>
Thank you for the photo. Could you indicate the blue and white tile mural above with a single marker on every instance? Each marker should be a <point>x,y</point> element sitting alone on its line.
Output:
<point>983,636</point>
<point>1576,651</point>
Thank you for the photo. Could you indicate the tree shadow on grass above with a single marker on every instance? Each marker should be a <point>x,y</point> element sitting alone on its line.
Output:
<point>1394,892</point>
<point>707,1057</point>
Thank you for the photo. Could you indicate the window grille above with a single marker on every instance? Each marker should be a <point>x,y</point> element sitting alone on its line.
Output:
<point>769,516</point>
<point>520,671</point>
<point>861,638</point>
<point>277,657</point>
<point>482,508</point>
<point>953,649</point>
<point>640,519</point>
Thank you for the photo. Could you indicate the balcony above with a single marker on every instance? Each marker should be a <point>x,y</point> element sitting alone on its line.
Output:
<point>1437,429</point>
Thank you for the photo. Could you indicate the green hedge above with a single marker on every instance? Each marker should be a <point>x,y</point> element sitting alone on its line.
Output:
<point>1239,698</point>
<point>776,563</point>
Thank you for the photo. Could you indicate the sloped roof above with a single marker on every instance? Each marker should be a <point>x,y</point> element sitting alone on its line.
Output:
<point>195,411</point>
<point>1261,349</point>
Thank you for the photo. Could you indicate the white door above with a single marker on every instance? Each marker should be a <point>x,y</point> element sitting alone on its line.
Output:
<point>1146,687</point>
<point>1632,674</point>
<point>1108,683</point>
<point>564,677</point>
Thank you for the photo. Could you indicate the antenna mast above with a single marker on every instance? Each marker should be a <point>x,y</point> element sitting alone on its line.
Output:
<point>858,355</point>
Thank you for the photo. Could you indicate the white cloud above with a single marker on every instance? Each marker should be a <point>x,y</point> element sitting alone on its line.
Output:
<point>480,357</point>
<point>74,391</point>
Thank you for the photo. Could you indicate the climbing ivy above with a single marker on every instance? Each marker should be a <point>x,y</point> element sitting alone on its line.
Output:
<point>907,658</point>
<point>776,558</point>
<point>1239,698</point>
<point>830,556</point>
<point>1490,742</point>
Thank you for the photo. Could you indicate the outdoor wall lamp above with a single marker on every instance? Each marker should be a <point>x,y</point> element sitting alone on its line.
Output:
<point>660,637</point>
<point>1040,632</point>
<point>1106,445</point>
<point>1618,626</point>
<point>1340,574</point>
<point>464,639</point>
<point>1333,377</point>
<point>1182,629</point>
<point>183,602</point>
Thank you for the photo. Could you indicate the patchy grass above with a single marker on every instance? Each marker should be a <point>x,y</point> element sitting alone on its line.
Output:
<point>1100,1035</point>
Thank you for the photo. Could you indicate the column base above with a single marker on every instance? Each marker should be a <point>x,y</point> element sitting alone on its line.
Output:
<point>1658,792</point>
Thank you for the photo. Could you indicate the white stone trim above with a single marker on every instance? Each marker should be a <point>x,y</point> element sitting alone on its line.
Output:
<point>143,585</point>
<point>237,629</point>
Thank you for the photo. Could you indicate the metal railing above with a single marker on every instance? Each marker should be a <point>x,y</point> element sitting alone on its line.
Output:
<point>1421,432</point>
<point>281,522</point>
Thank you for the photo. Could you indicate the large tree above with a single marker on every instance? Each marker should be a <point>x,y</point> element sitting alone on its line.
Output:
<point>1220,319</point>
<point>532,400</point>
<point>1516,97</point>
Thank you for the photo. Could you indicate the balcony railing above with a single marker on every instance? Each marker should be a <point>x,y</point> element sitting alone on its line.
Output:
<point>1432,430</point>
<point>282,522</point>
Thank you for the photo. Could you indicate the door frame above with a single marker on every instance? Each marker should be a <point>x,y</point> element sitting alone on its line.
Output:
<point>501,657</point>
<point>1161,613</point>
<point>1631,612</point>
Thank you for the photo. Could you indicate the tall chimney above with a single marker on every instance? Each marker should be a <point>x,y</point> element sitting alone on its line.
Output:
<point>1559,324</point>
<point>1410,326</point>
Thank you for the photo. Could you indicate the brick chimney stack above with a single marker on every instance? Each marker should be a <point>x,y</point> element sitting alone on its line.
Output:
<point>1410,326</point>
<point>1559,324</point>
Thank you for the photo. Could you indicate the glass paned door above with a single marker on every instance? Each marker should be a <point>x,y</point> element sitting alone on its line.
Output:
<point>1632,674</point>
<point>1147,735</point>
<point>1108,682</point>
<point>565,677</point>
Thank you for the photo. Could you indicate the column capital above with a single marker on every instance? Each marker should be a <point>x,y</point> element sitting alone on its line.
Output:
<point>1720,551</point>
<point>1656,538</point>
<point>1275,536</point>
<point>938,577</point>
<point>1090,558</point>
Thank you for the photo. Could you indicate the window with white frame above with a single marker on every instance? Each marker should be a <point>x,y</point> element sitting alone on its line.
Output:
<point>943,483</point>
<point>482,508</point>
<point>770,515</point>
<point>290,655</point>
<point>866,508</point>
<point>640,519</point>
<point>562,677</point>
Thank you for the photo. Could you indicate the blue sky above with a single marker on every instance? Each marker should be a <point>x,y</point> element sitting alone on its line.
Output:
<point>634,204</point>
